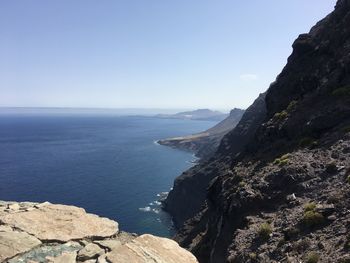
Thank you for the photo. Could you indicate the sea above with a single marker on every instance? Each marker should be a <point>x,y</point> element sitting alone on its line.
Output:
<point>110,165</point>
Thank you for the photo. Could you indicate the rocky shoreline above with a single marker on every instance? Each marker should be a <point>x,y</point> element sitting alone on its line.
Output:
<point>45,232</point>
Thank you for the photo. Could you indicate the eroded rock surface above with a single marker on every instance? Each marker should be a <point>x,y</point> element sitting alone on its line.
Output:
<point>35,233</point>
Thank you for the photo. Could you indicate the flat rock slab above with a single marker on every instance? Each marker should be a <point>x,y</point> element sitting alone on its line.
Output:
<point>148,248</point>
<point>60,222</point>
<point>14,242</point>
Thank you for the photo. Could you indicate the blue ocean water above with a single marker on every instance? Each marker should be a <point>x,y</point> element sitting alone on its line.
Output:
<point>108,165</point>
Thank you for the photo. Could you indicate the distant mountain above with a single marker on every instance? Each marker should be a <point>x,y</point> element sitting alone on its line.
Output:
<point>200,114</point>
<point>205,143</point>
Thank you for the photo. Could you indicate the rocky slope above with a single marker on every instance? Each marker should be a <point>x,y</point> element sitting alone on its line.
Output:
<point>204,144</point>
<point>32,232</point>
<point>283,195</point>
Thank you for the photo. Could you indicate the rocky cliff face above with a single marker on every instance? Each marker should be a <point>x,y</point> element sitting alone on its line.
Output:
<point>204,144</point>
<point>283,195</point>
<point>190,188</point>
<point>32,232</point>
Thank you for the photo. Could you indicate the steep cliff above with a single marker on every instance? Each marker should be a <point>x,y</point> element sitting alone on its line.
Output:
<point>283,195</point>
<point>189,190</point>
<point>204,144</point>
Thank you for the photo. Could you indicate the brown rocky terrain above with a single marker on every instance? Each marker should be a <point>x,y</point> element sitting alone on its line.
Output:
<point>33,233</point>
<point>282,193</point>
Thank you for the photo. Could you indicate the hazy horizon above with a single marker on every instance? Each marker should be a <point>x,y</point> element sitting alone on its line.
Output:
<point>181,55</point>
<point>82,110</point>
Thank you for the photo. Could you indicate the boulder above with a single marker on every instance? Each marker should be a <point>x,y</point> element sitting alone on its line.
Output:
<point>148,248</point>
<point>90,251</point>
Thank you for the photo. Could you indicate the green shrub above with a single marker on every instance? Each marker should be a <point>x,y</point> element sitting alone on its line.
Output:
<point>292,105</point>
<point>265,230</point>
<point>283,160</point>
<point>312,257</point>
<point>312,218</point>
<point>348,179</point>
<point>342,91</point>
<point>309,207</point>
<point>281,115</point>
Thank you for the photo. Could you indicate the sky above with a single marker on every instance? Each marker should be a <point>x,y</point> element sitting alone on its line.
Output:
<point>166,54</point>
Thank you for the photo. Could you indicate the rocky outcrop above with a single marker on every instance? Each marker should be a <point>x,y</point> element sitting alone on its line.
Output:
<point>204,144</point>
<point>32,232</point>
<point>283,195</point>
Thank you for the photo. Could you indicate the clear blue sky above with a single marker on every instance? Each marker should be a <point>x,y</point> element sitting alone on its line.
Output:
<point>147,53</point>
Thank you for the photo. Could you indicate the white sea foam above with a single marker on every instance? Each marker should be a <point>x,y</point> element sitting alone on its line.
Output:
<point>163,194</point>
<point>156,210</point>
<point>145,209</point>
<point>155,203</point>
<point>156,142</point>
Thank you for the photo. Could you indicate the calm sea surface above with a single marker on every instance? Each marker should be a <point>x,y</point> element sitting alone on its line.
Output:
<point>108,165</point>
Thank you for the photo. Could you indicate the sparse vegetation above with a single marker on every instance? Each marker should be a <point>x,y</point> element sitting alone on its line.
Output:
<point>283,160</point>
<point>292,105</point>
<point>309,207</point>
<point>348,179</point>
<point>312,257</point>
<point>311,217</point>
<point>281,115</point>
<point>342,91</point>
<point>265,230</point>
